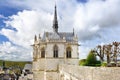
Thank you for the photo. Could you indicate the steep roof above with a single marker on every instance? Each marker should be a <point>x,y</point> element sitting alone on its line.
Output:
<point>68,36</point>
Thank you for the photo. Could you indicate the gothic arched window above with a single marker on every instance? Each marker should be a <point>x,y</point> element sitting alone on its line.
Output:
<point>68,52</point>
<point>42,53</point>
<point>55,51</point>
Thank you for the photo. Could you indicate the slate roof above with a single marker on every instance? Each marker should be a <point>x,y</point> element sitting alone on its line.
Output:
<point>28,67</point>
<point>69,36</point>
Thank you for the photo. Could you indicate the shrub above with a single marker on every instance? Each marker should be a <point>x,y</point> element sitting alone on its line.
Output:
<point>97,65</point>
<point>82,62</point>
<point>104,64</point>
<point>91,59</point>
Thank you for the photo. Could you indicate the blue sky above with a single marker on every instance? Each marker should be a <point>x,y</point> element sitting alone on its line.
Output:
<point>95,22</point>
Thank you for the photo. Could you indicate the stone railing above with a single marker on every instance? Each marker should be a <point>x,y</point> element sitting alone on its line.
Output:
<point>72,72</point>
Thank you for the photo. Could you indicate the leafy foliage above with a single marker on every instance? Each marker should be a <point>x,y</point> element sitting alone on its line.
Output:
<point>104,64</point>
<point>82,62</point>
<point>91,59</point>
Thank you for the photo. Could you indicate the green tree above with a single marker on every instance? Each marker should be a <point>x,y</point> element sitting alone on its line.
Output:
<point>91,59</point>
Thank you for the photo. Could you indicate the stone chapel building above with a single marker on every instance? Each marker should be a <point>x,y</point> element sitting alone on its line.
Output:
<point>51,50</point>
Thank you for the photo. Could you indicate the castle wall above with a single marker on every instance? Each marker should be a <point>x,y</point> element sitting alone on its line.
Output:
<point>74,51</point>
<point>39,64</point>
<point>73,72</point>
<point>38,75</point>
<point>52,75</point>
<point>72,61</point>
<point>47,68</point>
<point>53,64</point>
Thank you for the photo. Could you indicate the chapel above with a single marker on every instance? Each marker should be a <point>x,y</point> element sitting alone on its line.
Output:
<point>53,49</point>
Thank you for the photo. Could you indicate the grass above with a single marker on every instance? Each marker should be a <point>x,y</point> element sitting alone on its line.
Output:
<point>20,64</point>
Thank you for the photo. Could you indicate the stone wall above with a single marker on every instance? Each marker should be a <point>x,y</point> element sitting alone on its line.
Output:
<point>72,72</point>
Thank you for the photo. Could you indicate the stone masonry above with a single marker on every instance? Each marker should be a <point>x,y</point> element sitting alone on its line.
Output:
<point>72,72</point>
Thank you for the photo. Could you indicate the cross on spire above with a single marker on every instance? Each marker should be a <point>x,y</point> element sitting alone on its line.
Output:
<point>55,22</point>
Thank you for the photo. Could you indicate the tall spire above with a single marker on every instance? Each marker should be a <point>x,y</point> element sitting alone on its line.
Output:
<point>55,22</point>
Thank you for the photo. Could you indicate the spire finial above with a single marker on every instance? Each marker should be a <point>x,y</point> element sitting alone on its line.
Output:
<point>39,36</point>
<point>35,39</point>
<point>55,22</point>
<point>73,31</point>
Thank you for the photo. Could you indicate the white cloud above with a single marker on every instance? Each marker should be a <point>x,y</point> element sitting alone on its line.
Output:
<point>2,16</point>
<point>8,51</point>
<point>93,22</point>
<point>96,15</point>
<point>97,22</point>
<point>27,24</point>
